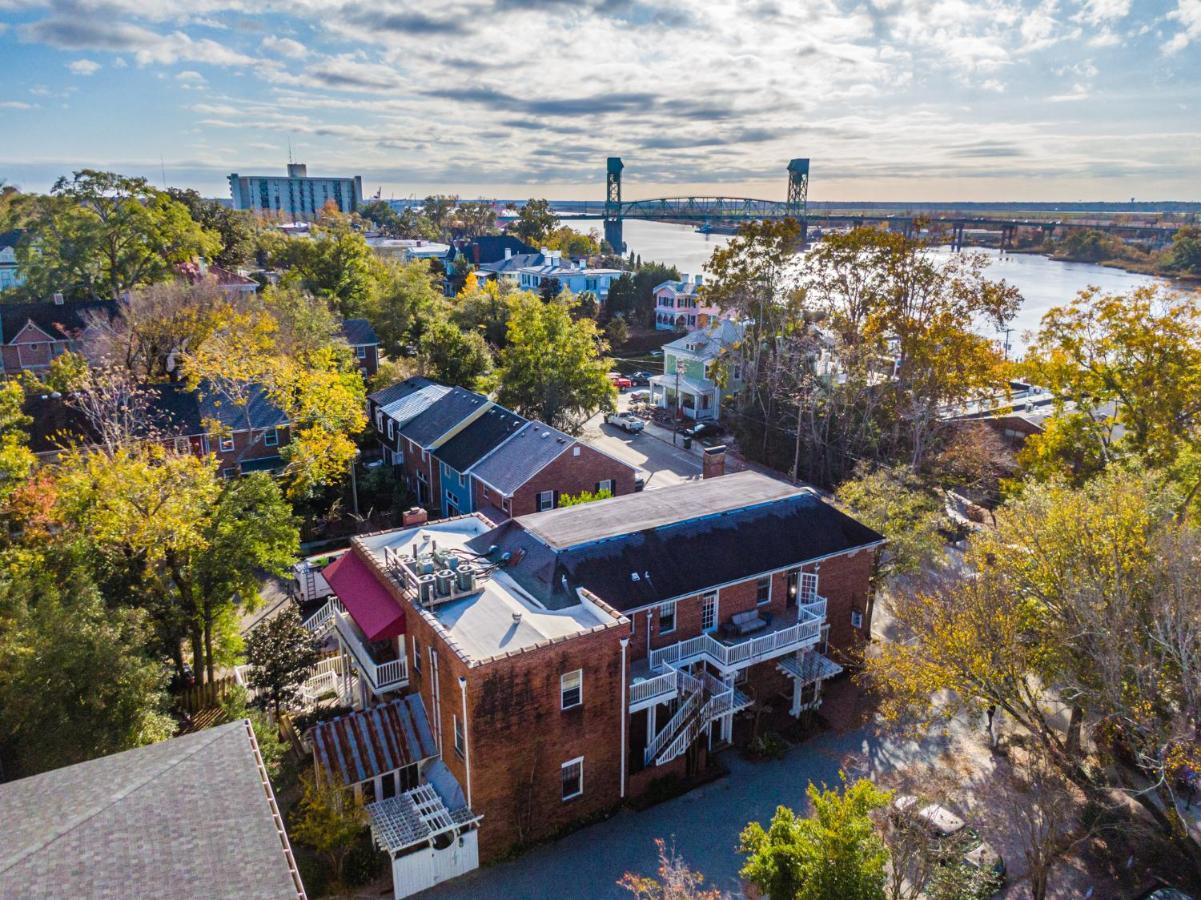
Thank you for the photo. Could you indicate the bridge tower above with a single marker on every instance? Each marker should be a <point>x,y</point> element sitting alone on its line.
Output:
<point>613,205</point>
<point>798,192</point>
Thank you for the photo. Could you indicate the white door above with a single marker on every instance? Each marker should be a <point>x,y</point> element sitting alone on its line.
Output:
<point>709,612</point>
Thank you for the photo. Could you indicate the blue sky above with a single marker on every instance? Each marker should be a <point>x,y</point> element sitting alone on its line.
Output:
<point>891,99</point>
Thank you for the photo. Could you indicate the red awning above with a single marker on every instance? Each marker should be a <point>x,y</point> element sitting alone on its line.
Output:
<point>367,601</point>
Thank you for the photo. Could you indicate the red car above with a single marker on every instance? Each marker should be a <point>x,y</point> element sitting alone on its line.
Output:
<point>620,381</point>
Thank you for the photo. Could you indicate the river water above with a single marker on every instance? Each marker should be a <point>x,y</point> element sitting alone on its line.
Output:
<point>1044,283</point>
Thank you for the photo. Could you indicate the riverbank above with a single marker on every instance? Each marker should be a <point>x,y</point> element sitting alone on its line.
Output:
<point>1134,267</point>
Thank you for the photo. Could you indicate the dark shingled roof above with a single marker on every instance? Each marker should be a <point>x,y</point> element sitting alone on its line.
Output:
<point>491,247</point>
<point>258,412</point>
<point>358,332</point>
<point>59,320</point>
<point>401,389</point>
<point>443,415</point>
<point>475,441</point>
<point>193,816</point>
<point>734,545</point>
<point>522,457</point>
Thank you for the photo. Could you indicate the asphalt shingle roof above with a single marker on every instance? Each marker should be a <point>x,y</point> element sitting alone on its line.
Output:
<point>259,410</point>
<point>734,543</point>
<point>189,817</point>
<point>522,457</point>
<point>475,441</point>
<point>399,391</point>
<point>441,416</point>
<point>59,320</point>
<point>358,332</point>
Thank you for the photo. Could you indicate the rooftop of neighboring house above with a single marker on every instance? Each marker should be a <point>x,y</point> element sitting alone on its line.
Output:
<point>687,285</point>
<point>10,238</point>
<point>166,818</point>
<point>497,617</point>
<point>359,333</point>
<point>531,449</point>
<point>361,745</point>
<point>514,263</point>
<point>441,416</point>
<point>490,248</point>
<point>60,321</point>
<point>556,267</point>
<point>480,438</point>
<point>627,549</point>
<point>255,411</point>
<point>707,341</point>
<point>393,392</point>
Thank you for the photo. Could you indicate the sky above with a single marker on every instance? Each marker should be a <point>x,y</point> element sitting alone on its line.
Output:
<point>890,99</point>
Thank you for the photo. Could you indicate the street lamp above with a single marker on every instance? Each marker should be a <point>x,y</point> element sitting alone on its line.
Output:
<point>354,485</point>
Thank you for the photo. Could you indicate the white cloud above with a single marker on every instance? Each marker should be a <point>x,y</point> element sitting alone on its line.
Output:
<point>84,67</point>
<point>1101,12</point>
<point>285,47</point>
<point>189,76</point>
<point>15,104</point>
<point>1188,14</point>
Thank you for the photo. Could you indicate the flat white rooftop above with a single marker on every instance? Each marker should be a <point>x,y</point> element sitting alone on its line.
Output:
<point>499,618</point>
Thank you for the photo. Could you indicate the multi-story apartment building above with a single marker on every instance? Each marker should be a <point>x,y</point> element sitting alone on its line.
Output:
<point>569,658</point>
<point>294,197</point>
<point>461,452</point>
<point>679,305</point>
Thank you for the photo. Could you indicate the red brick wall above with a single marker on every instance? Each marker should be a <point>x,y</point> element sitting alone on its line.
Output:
<point>520,737</point>
<point>571,474</point>
<point>247,446</point>
<point>845,581</point>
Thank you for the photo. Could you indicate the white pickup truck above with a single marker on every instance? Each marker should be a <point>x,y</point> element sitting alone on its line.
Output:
<point>625,421</point>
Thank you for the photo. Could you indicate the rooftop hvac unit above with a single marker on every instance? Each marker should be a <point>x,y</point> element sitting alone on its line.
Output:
<point>452,562</point>
<point>425,589</point>
<point>425,564</point>
<point>466,578</point>
<point>445,579</point>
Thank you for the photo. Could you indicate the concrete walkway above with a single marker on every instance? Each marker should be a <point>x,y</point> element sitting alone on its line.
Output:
<point>703,824</point>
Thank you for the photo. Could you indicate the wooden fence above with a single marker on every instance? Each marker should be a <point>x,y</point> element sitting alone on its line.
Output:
<point>205,696</point>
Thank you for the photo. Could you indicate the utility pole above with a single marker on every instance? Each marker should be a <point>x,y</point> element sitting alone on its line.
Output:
<point>679,371</point>
<point>354,485</point>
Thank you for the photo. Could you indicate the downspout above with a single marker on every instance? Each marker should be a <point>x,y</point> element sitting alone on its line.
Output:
<point>466,738</point>
<point>624,643</point>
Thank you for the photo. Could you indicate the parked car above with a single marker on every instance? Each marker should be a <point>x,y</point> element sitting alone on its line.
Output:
<point>639,396</point>
<point>700,430</point>
<point>620,381</point>
<point>641,379</point>
<point>625,421</point>
<point>960,843</point>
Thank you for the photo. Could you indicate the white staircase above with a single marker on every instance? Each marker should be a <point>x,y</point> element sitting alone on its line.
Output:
<point>321,622</point>
<point>705,698</point>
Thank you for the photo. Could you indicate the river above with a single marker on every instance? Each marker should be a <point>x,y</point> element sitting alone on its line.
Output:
<point>1044,283</point>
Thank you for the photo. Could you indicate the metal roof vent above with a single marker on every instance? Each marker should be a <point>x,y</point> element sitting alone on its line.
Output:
<point>634,576</point>
<point>516,618</point>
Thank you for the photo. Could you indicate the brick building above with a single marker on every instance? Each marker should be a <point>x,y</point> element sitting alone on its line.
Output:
<point>364,342</point>
<point>33,334</point>
<point>569,658</point>
<point>461,453</point>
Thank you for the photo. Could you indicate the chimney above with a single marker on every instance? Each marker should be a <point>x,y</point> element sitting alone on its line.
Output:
<point>508,252</point>
<point>685,278</point>
<point>713,463</point>
<point>58,298</point>
<point>697,279</point>
<point>414,516</point>
<point>475,253</point>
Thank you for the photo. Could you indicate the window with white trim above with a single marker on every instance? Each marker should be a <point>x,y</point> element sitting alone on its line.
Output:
<point>505,503</point>
<point>390,432</point>
<point>227,443</point>
<point>763,591</point>
<point>571,689</point>
<point>606,485</point>
<point>667,617</point>
<point>271,438</point>
<point>460,744</point>
<point>856,619</point>
<point>709,611</point>
<point>416,656</point>
<point>462,480</point>
<point>379,419</point>
<point>182,445</point>
<point>546,500</point>
<point>572,775</point>
<point>360,352</point>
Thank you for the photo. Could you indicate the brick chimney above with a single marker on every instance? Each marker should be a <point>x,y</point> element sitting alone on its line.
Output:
<point>713,463</point>
<point>414,516</point>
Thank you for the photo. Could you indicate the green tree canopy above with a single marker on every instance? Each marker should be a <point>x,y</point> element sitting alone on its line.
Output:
<point>281,651</point>
<point>101,234</point>
<point>235,228</point>
<point>16,459</point>
<point>453,356</point>
<point>535,220</point>
<point>552,366</point>
<point>898,504</point>
<point>835,852</point>
<point>407,301</point>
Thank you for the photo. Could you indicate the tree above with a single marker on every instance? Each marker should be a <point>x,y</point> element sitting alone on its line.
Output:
<point>1126,374</point>
<point>453,356</point>
<point>551,367</point>
<point>975,460</point>
<point>99,233</point>
<point>281,652</point>
<point>1184,255</point>
<point>338,266</point>
<point>622,299</point>
<point>16,459</point>
<point>896,503</point>
<point>584,497</point>
<point>617,331</point>
<point>550,289</point>
<point>571,243</point>
<point>390,371</point>
<point>675,881</point>
<point>381,214</point>
<point>329,819</point>
<point>535,220</point>
<point>836,852</point>
<point>474,218</point>
<point>438,209</point>
<point>484,309</point>
<point>75,681</point>
<point>235,228</point>
<point>407,302</point>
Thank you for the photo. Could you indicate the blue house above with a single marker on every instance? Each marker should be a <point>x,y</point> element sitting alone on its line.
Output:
<point>576,277</point>
<point>465,449</point>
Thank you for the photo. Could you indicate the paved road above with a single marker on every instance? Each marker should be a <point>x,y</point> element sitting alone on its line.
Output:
<point>664,464</point>
<point>704,824</point>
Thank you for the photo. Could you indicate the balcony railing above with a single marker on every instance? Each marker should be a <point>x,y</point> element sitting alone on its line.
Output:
<point>381,677</point>
<point>740,654</point>
<point>659,685</point>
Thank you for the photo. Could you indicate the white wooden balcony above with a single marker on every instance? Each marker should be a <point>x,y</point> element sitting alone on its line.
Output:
<point>380,677</point>
<point>735,653</point>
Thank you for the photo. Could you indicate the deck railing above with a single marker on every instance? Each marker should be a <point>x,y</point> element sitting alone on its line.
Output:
<point>381,677</point>
<point>320,622</point>
<point>641,691</point>
<point>692,702</point>
<point>743,653</point>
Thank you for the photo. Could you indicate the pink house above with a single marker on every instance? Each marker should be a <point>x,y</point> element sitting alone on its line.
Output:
<point>680,305</point>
